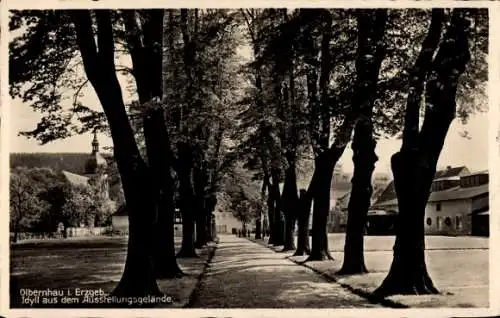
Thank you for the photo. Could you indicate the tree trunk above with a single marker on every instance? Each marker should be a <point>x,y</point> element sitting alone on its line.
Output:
<point>147,63</point>
<point>158,152</point>
<point>371,28</point>
<point>414,166</point>
<point>208,225</point>
<point>16,233</point>
<point>364,159</point>
<point>258,228</point>
<point>279,239</point>
<point>303,225</point>
<point>188,228</point>
<point>165,262</point>
<point>270,213</point>
<point>408,273</point>
<point>187,201</point>
<point>214,229</point>
<point>265,217</point>
<point>290,205</point>
<point>325,164</point>
<point>210,203</point>
<point>201,233</point>
<point>260,224</point>
<point>202,213</point>
<point>17,223</point>
<point>138,278</point>
<point>201,218</point>
<point>289,241</point>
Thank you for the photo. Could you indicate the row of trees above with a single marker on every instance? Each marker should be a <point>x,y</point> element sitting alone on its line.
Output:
<point>170,145</point>
<point>41,199</point>
<point>204,116</point>
<point>372,79</point>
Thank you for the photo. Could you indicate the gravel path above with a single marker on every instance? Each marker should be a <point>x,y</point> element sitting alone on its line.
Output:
<point>243,274</point>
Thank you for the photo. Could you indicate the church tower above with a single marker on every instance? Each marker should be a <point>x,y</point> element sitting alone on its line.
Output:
<point>95,168</point>
<point>95,144</point>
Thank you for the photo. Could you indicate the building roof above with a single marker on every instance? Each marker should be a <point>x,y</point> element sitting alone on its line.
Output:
<point>341,185</point>
<point>450,172</point>
<point>380,212</point>
<point>477,173</point>
<point>339,193</point>
<point>386,203</point>
<point>451,194</point>
<point>76,179</point>
<point>484,213</point>
<point>343,201</point>
<point>389,193</point>
<point>456,178</point>
<point>458,193</point>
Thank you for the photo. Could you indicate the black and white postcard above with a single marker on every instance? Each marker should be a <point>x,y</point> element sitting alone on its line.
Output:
<point>333,159</point>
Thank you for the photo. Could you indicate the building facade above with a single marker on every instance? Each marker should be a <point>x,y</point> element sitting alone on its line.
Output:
<point>226,223</point>
<point>337,218</point>
<point>455,210</point>
<point>458,203</point>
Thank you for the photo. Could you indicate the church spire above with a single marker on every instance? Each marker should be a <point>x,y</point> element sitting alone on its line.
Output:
<point>95,144</point>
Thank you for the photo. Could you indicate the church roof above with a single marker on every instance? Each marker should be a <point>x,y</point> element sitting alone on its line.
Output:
<point>76,179</point>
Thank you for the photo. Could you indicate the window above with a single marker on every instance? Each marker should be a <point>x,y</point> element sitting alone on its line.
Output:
<point>437,185</point>
<point>438,222</point>
<point>447,221</point>
<point>178,216</point>
<point>429,221</point>
<point>438,206</point>
<point>458,223</point>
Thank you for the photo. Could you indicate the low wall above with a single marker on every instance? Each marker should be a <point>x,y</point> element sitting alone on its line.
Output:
<point>70,232</point>
<point>85,231</point>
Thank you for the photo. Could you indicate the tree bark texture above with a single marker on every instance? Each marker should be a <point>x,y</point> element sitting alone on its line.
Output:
<point>187,200</point>
<point>138,278</point>
<point>324,164</point>
<point>360,199</point>
<point>278,230</point>
<point>414,166</point>
<point>371,28</point>
<point>304,212</point>
<point>290,206</point>
<point>147,62</point>
<point>200,180</point>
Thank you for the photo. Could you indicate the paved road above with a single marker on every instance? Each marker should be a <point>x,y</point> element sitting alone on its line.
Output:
<point>243,274</point>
